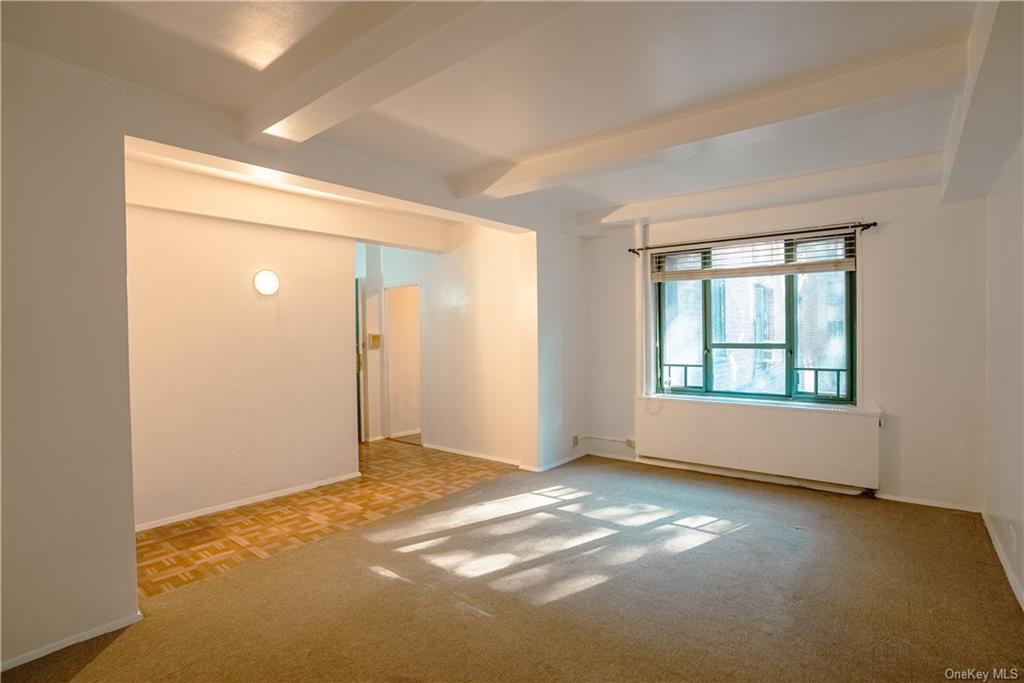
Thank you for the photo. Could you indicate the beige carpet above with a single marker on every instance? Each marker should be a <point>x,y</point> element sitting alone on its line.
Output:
<point>595,571</point>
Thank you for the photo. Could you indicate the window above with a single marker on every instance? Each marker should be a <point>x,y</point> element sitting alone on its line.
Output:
<point>770,318</point>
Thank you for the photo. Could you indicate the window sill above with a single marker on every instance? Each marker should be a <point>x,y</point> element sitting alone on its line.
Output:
<point>842,408</point>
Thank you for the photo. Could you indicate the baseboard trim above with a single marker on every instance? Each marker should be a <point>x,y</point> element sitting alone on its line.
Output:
<point>614,456</point>
<point>472,454</point>
<point>925,501</point>
<point>408,432</point>
<point>244,501</point>
<point>18,660</point>
<point>608,447</point>
<point>782,480</point>
<point>551,466</point>
<point>1015,584</point>
<point>375,438</point>
<point>598,437</point>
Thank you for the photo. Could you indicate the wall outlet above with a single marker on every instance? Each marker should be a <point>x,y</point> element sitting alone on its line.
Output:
<point>575,440</point>
<point>630,443</point>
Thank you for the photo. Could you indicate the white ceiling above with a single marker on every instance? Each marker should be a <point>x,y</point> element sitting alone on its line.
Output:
<point>587,71</point>
<point>254,33</point>
<point>599,66</point>
<point>834,139</point>
<point>211,52</point>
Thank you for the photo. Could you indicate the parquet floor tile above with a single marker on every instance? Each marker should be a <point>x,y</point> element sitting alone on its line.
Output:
<point>395,476</point>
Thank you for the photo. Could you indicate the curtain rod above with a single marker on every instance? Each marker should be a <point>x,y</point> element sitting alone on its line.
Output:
<point>819,228</point>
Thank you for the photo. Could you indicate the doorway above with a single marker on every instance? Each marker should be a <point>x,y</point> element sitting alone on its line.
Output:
<point>402,364</point>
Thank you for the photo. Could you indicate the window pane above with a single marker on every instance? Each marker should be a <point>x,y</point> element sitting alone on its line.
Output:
<point>674,377</point>
<point>821,321</point>
<point>749,310</point>
<point>681,261</point>
<point>695,377</point>
<point>683,319</point>
<point>744,255</point>
<point>829,249</point>
<point>754,371</point>
<point>828,384</point>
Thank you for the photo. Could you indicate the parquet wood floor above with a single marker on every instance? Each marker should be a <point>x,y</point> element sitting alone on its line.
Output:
<point>395,476</point>
<point>414,439</point>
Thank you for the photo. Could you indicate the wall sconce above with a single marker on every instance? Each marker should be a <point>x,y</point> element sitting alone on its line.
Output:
<point>266,282</point>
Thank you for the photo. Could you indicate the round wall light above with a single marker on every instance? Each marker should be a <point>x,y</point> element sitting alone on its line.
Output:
<point>266,282</point>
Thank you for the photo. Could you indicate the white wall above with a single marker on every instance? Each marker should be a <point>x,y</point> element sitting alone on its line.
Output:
<point>479,327</point>
<point>503,328</point>
<point>372,295</point>
<point>236,395</point>
<point>66,440</point>
<point>610,333</point>
<point>921,280</point>
<point>561,347</point>
<point>403,371</point>
<point>68,543</point>
<point>1004,451</point>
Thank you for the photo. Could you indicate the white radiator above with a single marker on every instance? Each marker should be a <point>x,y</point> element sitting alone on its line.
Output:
<point>839,445</point>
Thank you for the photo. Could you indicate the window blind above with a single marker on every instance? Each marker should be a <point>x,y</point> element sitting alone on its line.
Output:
<point>779,254</point>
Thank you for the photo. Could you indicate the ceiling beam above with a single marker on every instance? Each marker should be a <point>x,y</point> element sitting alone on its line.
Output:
<point>987,119</point>
<point>939,67</point>
<point>915,171</point>
<point>411,45</point>
<point>261,203</point>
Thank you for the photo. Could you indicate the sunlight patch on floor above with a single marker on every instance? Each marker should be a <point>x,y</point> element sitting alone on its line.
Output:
<point>506,537</point>
<point>452,519</point>
<point>624,554</point>
<point>522,580</point>
<point>519,524</point>
<point>485,565</point>
<point>566,587</point>
<point>505,552</point>
<point>722,527</point>
<point>629,514</point>
<point>388,574</point>
<point>695,521</point>
<point>562,492</point>
<point>549,582</point>
<point>675,539</point>
<point>423,545</point>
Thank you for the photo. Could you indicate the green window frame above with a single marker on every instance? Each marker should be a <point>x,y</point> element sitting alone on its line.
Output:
<point>792,392</point>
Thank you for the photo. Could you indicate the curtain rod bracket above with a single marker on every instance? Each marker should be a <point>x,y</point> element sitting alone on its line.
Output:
<point>635,252</point>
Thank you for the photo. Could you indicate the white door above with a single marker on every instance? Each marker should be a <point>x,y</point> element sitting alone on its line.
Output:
<point>402,360</point>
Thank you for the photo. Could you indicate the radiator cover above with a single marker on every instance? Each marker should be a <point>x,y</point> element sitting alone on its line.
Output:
<point>838,445</point>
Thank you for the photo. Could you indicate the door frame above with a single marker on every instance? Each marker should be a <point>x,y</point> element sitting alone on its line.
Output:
<point>360,366</point>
